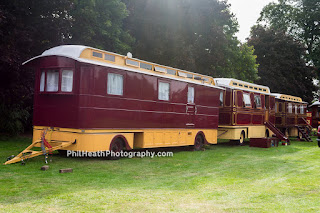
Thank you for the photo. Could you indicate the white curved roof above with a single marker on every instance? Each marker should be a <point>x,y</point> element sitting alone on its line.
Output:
<point>242,85</point>
<point>288,97</point>
<point>74,52</point>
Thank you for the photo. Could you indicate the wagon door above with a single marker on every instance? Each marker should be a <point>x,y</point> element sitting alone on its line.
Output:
<point>190,108</point>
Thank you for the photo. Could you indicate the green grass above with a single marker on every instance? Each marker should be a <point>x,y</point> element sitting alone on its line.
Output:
<point>224,178</point>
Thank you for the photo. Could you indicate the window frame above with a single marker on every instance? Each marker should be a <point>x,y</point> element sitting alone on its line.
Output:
<point>244,103</point>
<point>194,94</point>
<point>158,90</point>
<point>123,83</point>
<point>254,99</point>
<point>60,70</point>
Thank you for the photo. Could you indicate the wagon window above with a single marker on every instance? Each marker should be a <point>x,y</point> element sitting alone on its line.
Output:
<point>221,98</point>
<point>171,72</point>
<point>163,92</point>
<point>190,95</point>
<point>96,54</point>
<point>145,66</point>
<point>301,109</point>
<point>42,81</point>
<point>52,80</point>
<point>109,57</point>
<point>295,109</point>
<point>257,101</point>
<point>246,100</point>
<point>67,81</point>
<point>275,107</point>
<point>289,107</point>
<point>115,84</point>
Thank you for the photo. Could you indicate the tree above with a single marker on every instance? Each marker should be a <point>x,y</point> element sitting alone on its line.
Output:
<point>98,23</point>
<point>198,36</point>
<point>282,66</point>
<point>299,18</point>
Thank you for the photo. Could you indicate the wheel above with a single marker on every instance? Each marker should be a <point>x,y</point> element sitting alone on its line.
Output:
<point>241,139</point>
<point>198,143</point>
<point>116,147</point>
<point>286,133</point>
<point>267,133</point>
<point>300,136</point>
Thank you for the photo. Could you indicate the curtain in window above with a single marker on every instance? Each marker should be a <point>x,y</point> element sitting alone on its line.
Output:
<point>115,84</point>
<point>221,98</point>
<point>52,81</point>
<point>67,81</point>
<point>42,81</point>
<point>163,91</point>
<point>289,108</point>
<point>247,101</point>
<point>190,95</point>
<point>257,100</point>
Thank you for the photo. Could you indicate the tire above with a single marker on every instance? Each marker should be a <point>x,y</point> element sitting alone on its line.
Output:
<point>198,143</point>
<point>241,140</point>
<point>286,133</point>
<point>116,146</point>
<point>267,133</point>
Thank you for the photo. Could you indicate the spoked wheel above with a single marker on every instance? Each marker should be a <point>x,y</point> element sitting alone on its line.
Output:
<point>116,148</point>
<point>198,143</point>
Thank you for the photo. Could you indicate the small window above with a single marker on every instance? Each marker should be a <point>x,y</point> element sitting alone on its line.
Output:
<point>197,77</point>
<point>163,91</point>
<point>132,63</point>
<point>257,101</point>
<point>246,86</point>
<point>301,109</point>
<point>109,57</point>
<point>115,84</point>
<point>289,107</point>
<point>251,87</point>
<point>52,81</point>
<point>246,100</point>
<point>190,95</point>
<point>171,72</point>
<point>42,81</point>
<point>182,74</point>
<point>96,54</point>
<point>221,98</point>
<point>295,109</point>
<point>240,85</point>
<point>189,76</point>
<point>235,84</point>
<point>206,80</point>
<point>67,81</point>
<point>160,69</point>
<point>145,66</point>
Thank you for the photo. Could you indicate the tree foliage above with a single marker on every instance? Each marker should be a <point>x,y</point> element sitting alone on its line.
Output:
<point>28,27</point>
<point>299,18</point>
<point>282,66</point>
<point>194,35</point>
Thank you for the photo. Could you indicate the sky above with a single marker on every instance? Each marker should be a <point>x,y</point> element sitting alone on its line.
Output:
<point>247,13</point>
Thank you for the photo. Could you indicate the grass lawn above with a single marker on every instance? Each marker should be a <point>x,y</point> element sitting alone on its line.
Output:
<point>224,178</point>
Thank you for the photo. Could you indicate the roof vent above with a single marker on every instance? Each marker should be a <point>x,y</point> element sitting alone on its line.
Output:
<point>129,54</point>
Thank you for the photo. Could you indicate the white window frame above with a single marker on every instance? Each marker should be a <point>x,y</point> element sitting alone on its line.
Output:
<point>246,100</point>
<point>255,98</point>
<point>301,109</point>
<point>64,80</point>
<point>113,87</point>
<point>289,107</point>
<point>190,95</point>
<point>52,84</point>
<point>221,98</point>
<point>163,92</point>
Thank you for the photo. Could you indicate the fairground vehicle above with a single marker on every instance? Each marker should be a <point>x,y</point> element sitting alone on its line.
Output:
<point>246,111</point>
<point>88,99</point>
<point>291,116</point>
